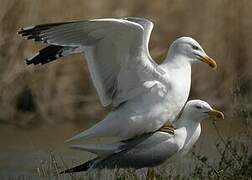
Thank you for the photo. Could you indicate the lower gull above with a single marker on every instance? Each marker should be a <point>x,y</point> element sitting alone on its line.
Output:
<point>151,149</point>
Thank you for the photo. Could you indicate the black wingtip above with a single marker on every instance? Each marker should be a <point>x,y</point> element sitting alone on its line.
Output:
<point>20,30</point>
<point>27,62</point>
<point>83,167</point>
<point>25,30</point>
<point>46,55</point>
<point>64,172</point>
<point>31,61</point>
<point>68,171</point>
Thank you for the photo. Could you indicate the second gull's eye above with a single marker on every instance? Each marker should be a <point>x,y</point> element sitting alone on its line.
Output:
<point>195,47</point>
<point>198,107</point>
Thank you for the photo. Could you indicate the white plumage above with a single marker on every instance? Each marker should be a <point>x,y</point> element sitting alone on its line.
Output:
<point>145,95</point>
<point>154,148</point>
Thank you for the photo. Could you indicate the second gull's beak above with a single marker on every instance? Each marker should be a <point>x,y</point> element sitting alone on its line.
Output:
<point>216,114</point>
<point>209,61</point>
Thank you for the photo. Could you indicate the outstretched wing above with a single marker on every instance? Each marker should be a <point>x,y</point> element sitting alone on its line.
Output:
<point>116,51</point>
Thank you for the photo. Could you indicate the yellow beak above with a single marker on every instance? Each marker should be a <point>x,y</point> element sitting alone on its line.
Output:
<point>216,114</point>
<point>209,61</point>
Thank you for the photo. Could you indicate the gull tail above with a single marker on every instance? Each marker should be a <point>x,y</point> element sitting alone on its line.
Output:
<point>83,167</point>
<point>82,136</point>
<point>51,53</point>
<point>101,131</point>
<point>86,137</point>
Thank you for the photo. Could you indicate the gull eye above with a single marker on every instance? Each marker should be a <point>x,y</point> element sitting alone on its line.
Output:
<point>195,47</point>
<point>198,107</point>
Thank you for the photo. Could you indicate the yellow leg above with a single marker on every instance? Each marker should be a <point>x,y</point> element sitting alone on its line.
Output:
<point>168,129</point>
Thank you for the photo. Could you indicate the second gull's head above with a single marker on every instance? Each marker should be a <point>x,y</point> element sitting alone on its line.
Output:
<point>198,110</point>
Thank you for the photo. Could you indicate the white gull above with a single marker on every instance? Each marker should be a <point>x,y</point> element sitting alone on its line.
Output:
<point>154,148</point>
<point>144,95</point>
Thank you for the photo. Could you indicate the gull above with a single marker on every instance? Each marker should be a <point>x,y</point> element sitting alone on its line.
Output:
<point>143,94</point>
<point>151,149</point>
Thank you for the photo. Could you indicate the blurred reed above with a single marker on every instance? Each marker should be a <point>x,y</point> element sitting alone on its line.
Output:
<point>62,91</point>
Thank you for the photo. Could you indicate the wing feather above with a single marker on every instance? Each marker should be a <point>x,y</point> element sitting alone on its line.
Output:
<point>116,51</point>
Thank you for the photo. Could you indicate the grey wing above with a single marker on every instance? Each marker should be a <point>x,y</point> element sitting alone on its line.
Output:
<point>147,151</point>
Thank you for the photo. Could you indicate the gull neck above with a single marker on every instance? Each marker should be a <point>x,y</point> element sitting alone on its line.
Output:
<point>176,61</point>
<point>191,125</point>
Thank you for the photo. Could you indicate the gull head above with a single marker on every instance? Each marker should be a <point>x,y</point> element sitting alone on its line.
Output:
<point>198,110</point>
<point>191,49</point>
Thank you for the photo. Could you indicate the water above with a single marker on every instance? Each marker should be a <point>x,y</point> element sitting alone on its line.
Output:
<point>22,151</point>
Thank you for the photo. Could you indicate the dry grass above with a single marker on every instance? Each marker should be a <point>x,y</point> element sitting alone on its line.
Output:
<point>62,91</point>
<point>234,162</point>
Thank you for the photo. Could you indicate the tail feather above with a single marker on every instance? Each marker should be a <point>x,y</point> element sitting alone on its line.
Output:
<point>97,131</point>
<point>83,135</point>
<point>104,130</point>
<point>83,167</point>
<point>51,53</point>
<point>100,149</point>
